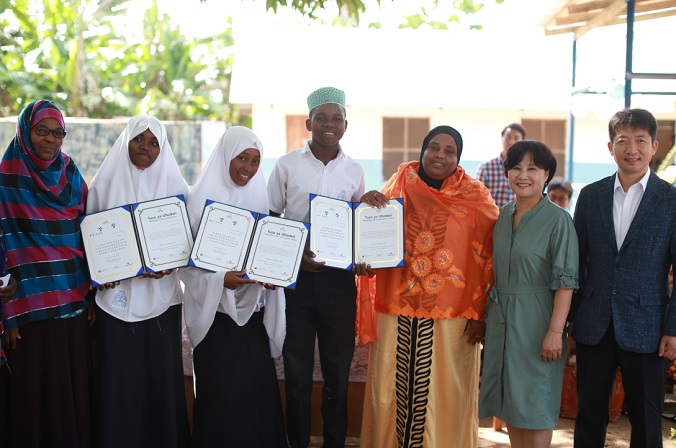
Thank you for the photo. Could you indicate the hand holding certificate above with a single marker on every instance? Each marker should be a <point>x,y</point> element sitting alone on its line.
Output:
<point>345,233</point>
<point>134,239</point>
<point>268,248</point>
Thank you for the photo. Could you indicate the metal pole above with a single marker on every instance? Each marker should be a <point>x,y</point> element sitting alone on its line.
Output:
<point>631,8</point>
<point>571,119</point>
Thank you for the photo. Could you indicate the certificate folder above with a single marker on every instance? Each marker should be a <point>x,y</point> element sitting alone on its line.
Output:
<point>126,241</point>
<point>268,248</point>
<point>345,233</point>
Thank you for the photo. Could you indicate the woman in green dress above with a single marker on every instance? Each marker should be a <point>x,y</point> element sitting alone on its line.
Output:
<point>535,258</point>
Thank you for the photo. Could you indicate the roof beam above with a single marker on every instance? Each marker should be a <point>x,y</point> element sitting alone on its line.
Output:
<point>580,16</point>
<point>586,8</point>
<point>654,5</point>
<point>614,9</point>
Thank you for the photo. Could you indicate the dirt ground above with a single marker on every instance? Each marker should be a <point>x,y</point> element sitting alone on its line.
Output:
<point>617,436</point>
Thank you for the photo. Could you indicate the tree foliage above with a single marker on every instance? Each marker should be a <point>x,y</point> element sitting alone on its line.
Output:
<point>70,51</point>
<point>353,9</point>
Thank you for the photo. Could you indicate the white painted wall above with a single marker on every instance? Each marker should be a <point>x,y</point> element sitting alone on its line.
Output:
<point>363,140</point>
<point>480,129</point>
<point>477,82</point>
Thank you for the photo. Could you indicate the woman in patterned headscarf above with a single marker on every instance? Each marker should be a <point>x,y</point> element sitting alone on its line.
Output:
<point>139,397</point>
<point>42,197</point>
<point>427,318</point>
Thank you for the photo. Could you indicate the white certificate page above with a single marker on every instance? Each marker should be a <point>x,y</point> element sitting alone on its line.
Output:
<point>223,238</point>
<point>164,233</point>
<point>276,251</point>
<point>379,234</point>
<point>111,246</point>
<point>331,231</point>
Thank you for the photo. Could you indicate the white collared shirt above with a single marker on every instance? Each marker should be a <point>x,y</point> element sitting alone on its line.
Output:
<point>299,173</point>
<point>625,205</point>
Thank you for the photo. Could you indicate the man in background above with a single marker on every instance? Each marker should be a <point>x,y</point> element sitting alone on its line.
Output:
<point>492,174</point>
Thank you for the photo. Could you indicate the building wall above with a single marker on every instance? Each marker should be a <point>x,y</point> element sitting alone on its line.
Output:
<point>480,129</point>
<point>88,142</point>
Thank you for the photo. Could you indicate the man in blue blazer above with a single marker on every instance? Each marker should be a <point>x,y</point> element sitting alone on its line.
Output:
<point>623,314</point>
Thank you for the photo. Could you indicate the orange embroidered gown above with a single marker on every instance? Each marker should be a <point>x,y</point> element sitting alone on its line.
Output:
<point>422,384</point>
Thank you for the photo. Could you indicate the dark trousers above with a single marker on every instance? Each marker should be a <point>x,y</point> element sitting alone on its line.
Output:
<point>643,379</point>
<point>322,306</point>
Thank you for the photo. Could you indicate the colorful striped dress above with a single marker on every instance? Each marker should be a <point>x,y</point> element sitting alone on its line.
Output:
<point>41,202</point>
<point>3,272</point>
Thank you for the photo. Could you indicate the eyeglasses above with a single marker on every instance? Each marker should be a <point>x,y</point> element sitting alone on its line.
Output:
<point>44,131</point>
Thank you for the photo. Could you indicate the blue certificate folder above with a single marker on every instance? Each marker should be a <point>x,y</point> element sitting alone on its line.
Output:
<point>345,233</point>
<point>268,248</point>
<point>129,240</point>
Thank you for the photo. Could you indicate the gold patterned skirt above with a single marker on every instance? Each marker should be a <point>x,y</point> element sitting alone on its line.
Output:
<point>422,385</point>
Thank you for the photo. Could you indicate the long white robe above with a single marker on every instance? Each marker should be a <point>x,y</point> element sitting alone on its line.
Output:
<point>204,291</point>
<point>119,182</point>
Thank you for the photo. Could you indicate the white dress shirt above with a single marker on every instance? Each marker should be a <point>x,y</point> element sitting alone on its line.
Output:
<point>625,205</point>
<point>299,173</point>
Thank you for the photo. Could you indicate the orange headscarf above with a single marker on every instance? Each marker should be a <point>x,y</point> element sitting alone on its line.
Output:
<point>448,252</point>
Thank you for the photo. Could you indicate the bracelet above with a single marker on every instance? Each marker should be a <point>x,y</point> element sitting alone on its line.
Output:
<point>556,331</point>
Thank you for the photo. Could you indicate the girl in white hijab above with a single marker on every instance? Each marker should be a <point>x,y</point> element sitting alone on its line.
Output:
<point>235,325</point>
<point>139,392</point>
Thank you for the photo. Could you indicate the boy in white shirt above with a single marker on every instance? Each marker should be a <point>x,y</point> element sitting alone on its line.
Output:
<point>323,305</point>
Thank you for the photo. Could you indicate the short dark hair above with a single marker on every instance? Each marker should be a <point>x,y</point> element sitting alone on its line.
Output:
<point>634,119</point>
<point>541,154</point>
<point>516,127</point>
<point>561,184</point>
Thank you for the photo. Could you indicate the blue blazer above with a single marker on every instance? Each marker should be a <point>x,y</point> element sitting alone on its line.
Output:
<point>628,287</point>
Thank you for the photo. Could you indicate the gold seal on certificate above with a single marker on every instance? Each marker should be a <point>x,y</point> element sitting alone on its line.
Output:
<point>127,241</point>
<point>345,233</point>
<point>269,248</point>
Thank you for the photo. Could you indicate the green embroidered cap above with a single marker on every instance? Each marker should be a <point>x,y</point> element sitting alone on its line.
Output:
<point>326,95</point>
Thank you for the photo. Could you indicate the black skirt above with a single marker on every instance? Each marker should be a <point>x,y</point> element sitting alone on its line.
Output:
<point>139,393</point>
<point>237,402</point>
<point>45,393</point>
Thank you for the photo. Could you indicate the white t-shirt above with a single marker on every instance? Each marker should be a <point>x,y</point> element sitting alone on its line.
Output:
<point>299,173</point>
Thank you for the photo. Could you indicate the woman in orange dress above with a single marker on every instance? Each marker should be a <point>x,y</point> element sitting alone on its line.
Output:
<point>426,321</point>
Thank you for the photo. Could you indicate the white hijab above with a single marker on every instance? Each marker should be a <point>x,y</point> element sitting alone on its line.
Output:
<point>204,291</point>
<point>119,182</point>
